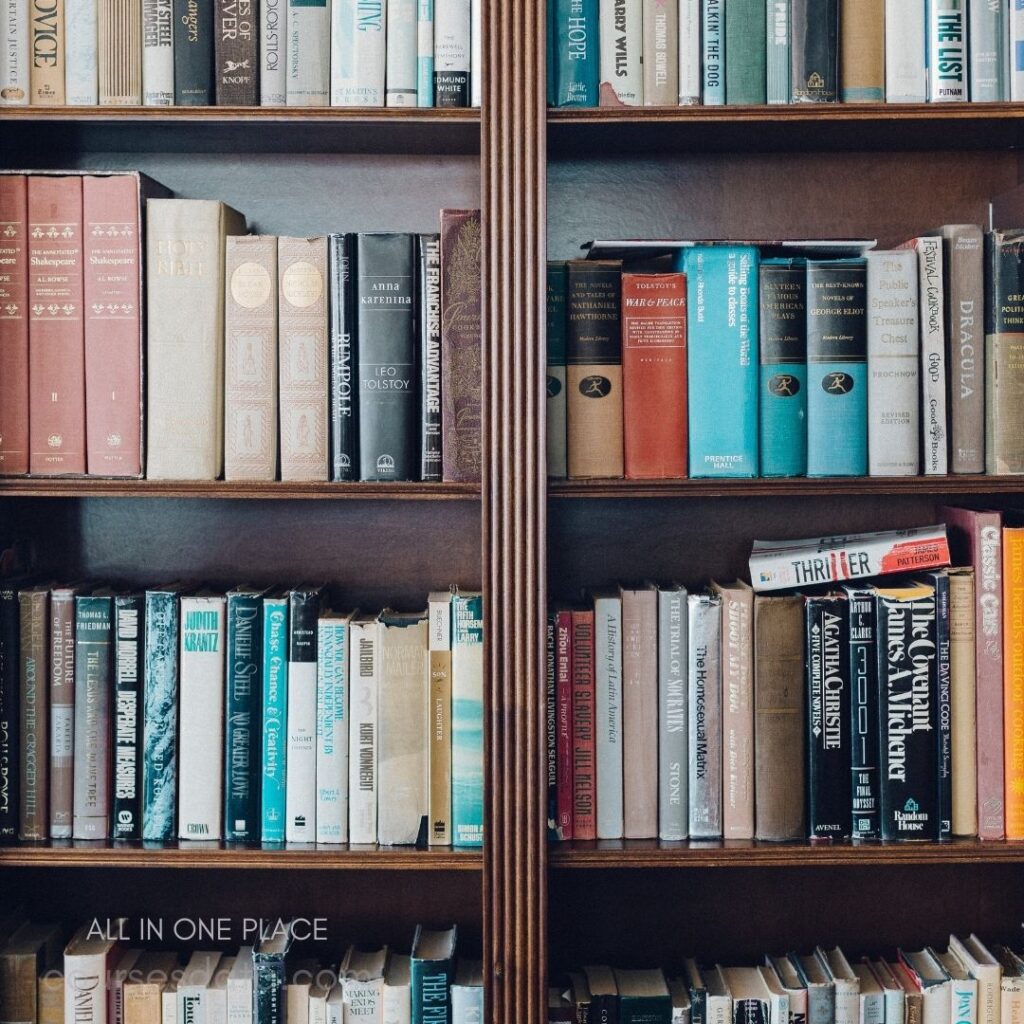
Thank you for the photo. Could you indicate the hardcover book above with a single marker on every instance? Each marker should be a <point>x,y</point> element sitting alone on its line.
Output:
<point>745,52</point>
<point>268,970</point>
<point>10,724</point>
<point>89,956</point>
<point>431,971</point>
<point>962,638</point>
<point>275,718</point>
<point>362,780</point>
<point>453,52</point>
<point>563,727</point>
<point>621,41</point>
<point>468,992</point>
<point>273,76</point>
<point>14,54</point>
<point>119,25</point>
<point>815,51</point>
<point>400,72</point>
<point>704,671</point>
<point>947,51</point>
<point>987,54</point>
<point>34,713</point>
<point>341,271</point>
<point>777,57</point>
<point>608,713</point>
<point>14,322</point>
<point>362,980</point>
<point>864,723</point>
<point>584,780</point>
<point>129,648</point>
<point>673,718</point>
<point>358,61</point>
<point>81,39</point>
<point>158,53</point>
<point>643,997</point>
<point>62,711</point>
<point>439,737</point>
<point>660,60</point>
<point>236,53</point>
<point>862,51</point>
<point>1004,351</point>
<point>690,70</point>
<point>193,53</point>
<point>640,711</point>
<point>906,68</point>
<point>309,53</point>
<point>1013,676</point>
<point>557,330</point>
<point>713,52</point>
<point>467,719</point>
<point>332,723</point>
<point>577,58</point>
<point>300,779</point>
<point>46,76</point>
<point>550,727</point>
<point>429,309</point>
<point>939,582</point>
<point>425,53</point>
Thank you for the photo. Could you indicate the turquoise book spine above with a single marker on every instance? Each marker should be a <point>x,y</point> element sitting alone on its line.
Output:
<point>722,332</point>
<point>576,52</point>
<point>777,51</point>
<point>837,392</point>
<point>275,718</point>
<point>745,57</point>
<point>467,720</point>
<point>713,51</point>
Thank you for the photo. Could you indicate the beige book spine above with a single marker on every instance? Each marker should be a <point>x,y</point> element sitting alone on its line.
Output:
<point>640,712</point>
<point>51,997</point>
<point>964,711</point>
<point>302,339</point>
<point>594,420</point>
<point>46,75</point>
<point>119,24</point>
<point>185,295</point>
<point>143,1002</point>
<point>250,358</point>
<point>439,626</point>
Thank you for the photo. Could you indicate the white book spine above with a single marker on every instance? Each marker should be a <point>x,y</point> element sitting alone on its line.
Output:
<point>309,53</point>
<point>85,987</point>
<point>273,50</point>
<point>1011,992</point>
<point>240,991</point>
<point>317,1009</point>
<point>704,675</point>
<point>476,54</point>
<point>895,1005</point>
<point>673,760</point>
<point>425,53</point>
<point>963,1001</point>
<point>14,53</point>
<point>947,51</point>
<point>1016,50</point>
<point>332,732</point>
<point>467,1004</point>
<point>847,1001</point>
<point>81,78</point>
<point>933,356</point>
<point>157,53</point>
<point>216,1004</point>
<point>362,778</point>
<point>169,1005</point>
<point>358,59</point>
<point>621,40</point>
<point>201,715</point>
<point>396,1005</point>
<point>872,1008</point>
<point>608,715</point>
<point>300,780</point>
<point>336,1005</point>
<point>363,1000</point>
<point>453,30</point>
<point>401,54</point>
<point>936,1004</point>
<point>690,71</point>
<point>894,416</point>
<point>719,1009</point>
<point>905,72</point>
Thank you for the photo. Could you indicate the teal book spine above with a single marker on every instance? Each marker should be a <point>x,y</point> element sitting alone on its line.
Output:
<point>467,720</point>
<point>837,400</point>
<point>777,51</point>
<point>783,400</point>
<point>430,976</point>
<point>713,50</point>
<point>576,53</point>
<point>160,716</point>
<point>275,718</point>
<point>722,332</point>
<point>242,718</point>
<point>424,53</point>
<point>745,57</point>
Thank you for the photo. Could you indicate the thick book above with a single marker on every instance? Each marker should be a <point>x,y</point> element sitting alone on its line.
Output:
<point>160,714</point>
<point>300,780</point>
<point>269,956</point>
<point>431,971</point>
<point>119,55</point>
<point>332,704</point>
<point>236,53</point>
<point>594,407</point>
<point>273,73</point>
<point>1004,351</point>
<point>56,326</point>
<point>362,980</point>
<point>862,635</point>
<point>779,730</point>
<point>607,712</point>
<point>947,51</point>
<point>302,357</point>
<point>713,52</point>
<point>62,711</point>
<point>722,325</point>
<point>34,713</point>
<point>461,344</point>
<point>704,673</point>
<point>14,324</point>
<point>358,59</point>
<point>895,364</point>
<point>428,307</point>
<point>274,683</point>
<point>158,53</point>
<point>782,405</point>
<point>563,723</point>
<point>201,718</point>
<point>745,52</point>
<point>845,984</point>
<point>777,56</point>
<point>906,70</point>
<point>129,649</point>
<point>468,992</point>
<point>400,71</point>
<point>621,42</point>
<point>643,997</point>
<point>309,53</point>
<point>386,328</point>
<point>88,957</point>
<point>828,718</point>
<point>439,721</point>
<point>453,52</point>
<point>467,719</point>
<point>576,55</point>
<point>28,953</point>
<point>987,53</point>
<point>939,582</point>
<point>185,247</point>
<point>193,53</point>
<point>364,673</point>
<point>46,77</point>
<point>341,274</point>
<point>1013,676</point>
<point>660,60</point>
<point>963,692</point>
<point>654,375</point>
<point>14,55</point>
<point>10,725</point>
<point>815,51</point>
<point>862,51</point>
<point>837,400</point>
<point>584,774</point>
<point>673,719</point>
<point>557,328</point>
<point>250,357</point>
<point>81,52</point>
<point>640,711</point>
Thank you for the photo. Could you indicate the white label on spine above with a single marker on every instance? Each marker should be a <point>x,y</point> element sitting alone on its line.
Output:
<point>157,53</point>
<point>81,81</point>
<point>357,53</point>
<point>300,782</point>
<point>14,54</point>
<point>401,53</point>
<point>273,34</point>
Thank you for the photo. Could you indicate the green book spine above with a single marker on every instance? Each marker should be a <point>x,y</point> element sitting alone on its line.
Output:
<point>745,41</point>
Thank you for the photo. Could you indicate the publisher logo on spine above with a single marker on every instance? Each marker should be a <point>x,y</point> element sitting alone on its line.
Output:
<point>595,386</point>
<point>784,385</point>
<point>837,383</point>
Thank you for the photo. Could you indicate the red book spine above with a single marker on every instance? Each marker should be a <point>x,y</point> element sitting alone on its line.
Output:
<point>584,820</point>
<point>56,337</point>
<point>654,375</point>
<point>113,339</point>
<point>13,325</point>
<point>564,738</point>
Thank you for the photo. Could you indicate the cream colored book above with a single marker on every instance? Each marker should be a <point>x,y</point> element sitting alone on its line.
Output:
<point>362,980</point>
<point>439,743</point>
<point>963,695</point>
<point>120,52</point>
<point>144,989</point>
<point>86,957</point>
<point>50,996</point>
<point>49,56</point>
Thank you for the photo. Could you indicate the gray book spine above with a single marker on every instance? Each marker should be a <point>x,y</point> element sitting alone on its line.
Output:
<point>160,701</point>
<point>777,55</point>
<point>673,757</point>
<point>821,1003</point>
<point>986,64</point>
<point>705,715</point>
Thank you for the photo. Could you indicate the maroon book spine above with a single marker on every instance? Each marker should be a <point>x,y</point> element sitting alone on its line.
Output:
<point>56,334</point>
<point>584,811</point>
<point>564,735</point>
<point>13,325</point>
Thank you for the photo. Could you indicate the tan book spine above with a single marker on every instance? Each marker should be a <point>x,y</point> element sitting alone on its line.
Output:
<point>439,627</point>
<point>661,53</point>
<point>50,994</point>
<point>30,949</point>
<point>862,51</point>
<point>250,358</point>
<point>62,711</point>
<point>302,340</point>
<point>640,712</point>
<point>119,24</point>
<point>963,710</point>
<point>46,77</point>
<point>143,991</point>
<point>185,317</point>
<point>34,607</point>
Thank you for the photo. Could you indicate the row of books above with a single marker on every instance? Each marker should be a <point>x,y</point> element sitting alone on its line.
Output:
<point>260,715</point>
<point>967,983</point>
<point>617,53</point>
<point>101,977</point>
<point>870,360</point>
<point>342,357</point>
<point>346,53</point>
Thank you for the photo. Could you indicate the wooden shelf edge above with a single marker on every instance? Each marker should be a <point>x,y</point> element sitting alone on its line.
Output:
<point>391,116</point>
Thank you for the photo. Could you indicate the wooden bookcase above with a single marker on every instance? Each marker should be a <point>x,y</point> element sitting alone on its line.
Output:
<point>546,183</point>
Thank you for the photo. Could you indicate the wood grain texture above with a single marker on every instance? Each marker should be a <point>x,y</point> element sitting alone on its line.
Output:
<point>84,487</point>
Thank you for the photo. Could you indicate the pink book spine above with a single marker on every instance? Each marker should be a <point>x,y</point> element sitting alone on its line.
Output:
<point>640,713</point>
<point>13,325</point>
<point>737,713</point>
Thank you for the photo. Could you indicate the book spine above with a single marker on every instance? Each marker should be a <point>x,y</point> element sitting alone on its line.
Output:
<point>81,80</point>
<point>268,976</point>
<point>704,672</point>
<point>640,713</point>
<point>673,753</point>
<point>713,51</point>
<point>947,51</point>
<point>401,68</point>
<point>1004,351</point>
<point>300,778</point>
<point>93,664</point>
<point>14,320</point>
<point>863,714</point>
<point>689,71</point>
<point>906,73</point>
<point>1013,680</point>
<point>862,51</point>
<point>193,53</point>
<point>467,720</point>
<point>814,53</point>
<point>158,53</point>
<point>745,35</point>
<point>429,310</point>
<point>14,53</point>
<point>386,329</point>
<point>439,631</point>
<point>577,56</point>
<point>362,784</point>
<point>556,340</point>
<point>303,357</point>
<point>33,700</point>
<point>783,335</point>
<point>120,52</point>
<point>461,344</point>
<point>236,54</point>
<point>275,717</point>
<point>453,51</point>
<point>242,719</point>
<point>113,324</point>
<point>332,732</point>
<point>607,716</point>
<point>358,59</point>
<point>837,401</point>
<point>430,990</point>
<point>10,722</point>
<point>309,53</point>
<point>126,816</point>
<point>828,721</point>
<point>943,705</point>
<point>895,383</point>
<point>986,58</point>
<point>425,53</point>
<point>200,791</point>
<point>550,727</point>
<point>56,337</point>
<point>737,714</point>
<point>62,713</point>
<point>660,61</point>
<point>621,41</point>
<point>584,782</point>
<point>933,356</point>
<point>47,49</point>
<point>564,740</point>
<point>777,57</point>
<point>340,256</point>
<point>273,45</point>
<point>476,47</point>
<point>160,717</point>
<point>81,993</point>
<point>963,713</point>
<point>1016,69</point>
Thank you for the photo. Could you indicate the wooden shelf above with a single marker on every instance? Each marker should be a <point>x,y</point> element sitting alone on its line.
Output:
<point>651,853</point>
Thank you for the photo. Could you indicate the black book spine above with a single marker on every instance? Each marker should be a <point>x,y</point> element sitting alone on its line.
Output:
<point>906,707</point>
<point>943,706</point>
<point>749,1011</point>
<point>340,254</point>
<point>126,820</point>
<point>268,988</point>
<point>9,726</point>
<point>243,721</point>
<point>193,53</point>
<point>863,713</point>
<point>828,740</point>
<point>388,401</point>
<point>604,1009</point>
<point>237,54</point>
<point>814,54</point>
<point>430,356</point>
<point>303,612</point>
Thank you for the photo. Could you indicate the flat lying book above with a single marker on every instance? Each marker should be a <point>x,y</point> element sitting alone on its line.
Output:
<point>648,248</point>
